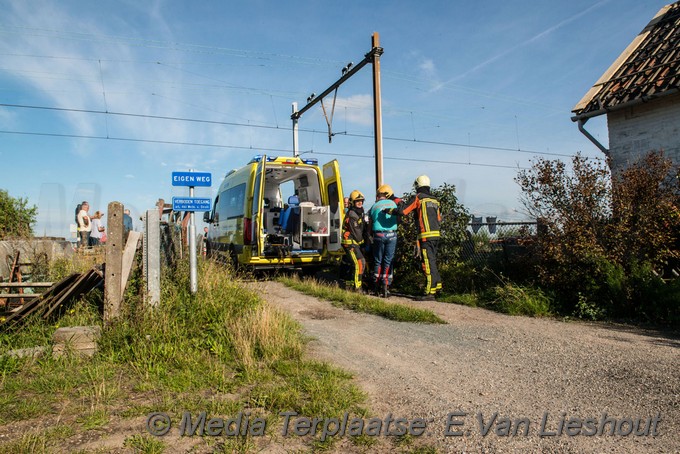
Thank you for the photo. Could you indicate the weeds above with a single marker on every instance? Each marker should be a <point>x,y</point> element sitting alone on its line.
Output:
<point>222,350</point>
<point>509,299</point>
<point>519,300</point>
<point>145,444</point>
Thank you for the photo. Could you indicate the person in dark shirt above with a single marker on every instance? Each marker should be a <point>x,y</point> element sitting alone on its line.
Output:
<point>353,235</point>
<point>127,223</point>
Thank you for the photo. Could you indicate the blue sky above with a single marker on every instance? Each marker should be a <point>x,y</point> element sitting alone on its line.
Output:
<point>102,101</point>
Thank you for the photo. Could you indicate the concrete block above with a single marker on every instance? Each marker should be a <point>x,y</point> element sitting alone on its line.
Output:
<point>77,339</point>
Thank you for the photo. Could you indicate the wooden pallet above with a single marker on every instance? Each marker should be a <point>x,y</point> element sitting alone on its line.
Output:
<point>55,298</point>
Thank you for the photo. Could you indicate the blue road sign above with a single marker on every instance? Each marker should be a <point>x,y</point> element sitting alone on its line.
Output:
<point>191,179</point>
<point>190,204</point>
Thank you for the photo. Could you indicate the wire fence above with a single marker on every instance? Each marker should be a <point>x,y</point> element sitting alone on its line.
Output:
<point>494,243</point>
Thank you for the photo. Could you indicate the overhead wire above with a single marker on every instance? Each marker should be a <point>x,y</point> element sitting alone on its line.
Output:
<point>434,161</point>
<point>251,125</point>
<point>126,139</point>
<point>201,49</point>
<point>158,44</point>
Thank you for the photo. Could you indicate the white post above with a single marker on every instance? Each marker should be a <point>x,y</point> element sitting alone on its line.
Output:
<point>296,150</point>
<point>193,278</point>
<point>152,256</point>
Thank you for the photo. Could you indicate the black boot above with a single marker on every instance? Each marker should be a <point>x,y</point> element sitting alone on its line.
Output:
<point>385,291</point>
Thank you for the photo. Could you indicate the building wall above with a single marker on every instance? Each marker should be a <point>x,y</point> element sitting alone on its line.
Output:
<point>636,130</point>
<point>29,251</point>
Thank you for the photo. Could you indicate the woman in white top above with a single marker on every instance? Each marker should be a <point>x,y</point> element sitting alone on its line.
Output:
<point>97,229</point>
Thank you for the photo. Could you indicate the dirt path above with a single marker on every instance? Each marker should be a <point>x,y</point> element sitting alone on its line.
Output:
<point>482,363</point>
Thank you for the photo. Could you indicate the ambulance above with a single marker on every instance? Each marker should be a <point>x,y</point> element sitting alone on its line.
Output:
<point>278,212</point>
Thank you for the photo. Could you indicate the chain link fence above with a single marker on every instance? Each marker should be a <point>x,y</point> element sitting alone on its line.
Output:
<point>496,244</point>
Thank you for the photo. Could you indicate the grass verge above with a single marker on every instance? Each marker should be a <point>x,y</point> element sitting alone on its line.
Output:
<point>361,303</point>
<point>222,351</point>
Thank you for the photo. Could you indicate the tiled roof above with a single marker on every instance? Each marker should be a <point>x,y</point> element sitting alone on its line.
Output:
<point>648,68</point>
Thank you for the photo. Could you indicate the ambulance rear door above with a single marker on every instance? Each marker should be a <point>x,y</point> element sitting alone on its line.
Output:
<point>335,200</point>
<point>257,207</point>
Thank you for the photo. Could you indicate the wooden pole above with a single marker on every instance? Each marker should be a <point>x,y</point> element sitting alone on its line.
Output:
<point>377,109</point>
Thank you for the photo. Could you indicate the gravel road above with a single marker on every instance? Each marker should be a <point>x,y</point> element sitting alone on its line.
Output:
<point>525,370</point>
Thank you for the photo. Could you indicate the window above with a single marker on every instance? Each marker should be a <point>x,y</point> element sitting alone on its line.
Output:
<point>231,202</point>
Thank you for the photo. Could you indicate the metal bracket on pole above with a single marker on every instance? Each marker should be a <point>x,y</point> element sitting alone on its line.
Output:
<point>296,150</point>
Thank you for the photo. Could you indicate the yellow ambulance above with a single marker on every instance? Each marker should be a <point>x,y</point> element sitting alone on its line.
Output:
<point>278,212</point>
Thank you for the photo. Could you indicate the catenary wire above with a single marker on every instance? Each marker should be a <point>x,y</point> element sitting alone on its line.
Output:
<point>226,123</point>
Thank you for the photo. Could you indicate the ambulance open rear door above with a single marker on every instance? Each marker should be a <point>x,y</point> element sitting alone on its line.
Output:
<point>335,200</point>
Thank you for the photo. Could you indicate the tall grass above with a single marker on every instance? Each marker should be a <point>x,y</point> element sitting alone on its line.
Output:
<point>507,298</point>
<point>222,350</point>
<point>520,300</point>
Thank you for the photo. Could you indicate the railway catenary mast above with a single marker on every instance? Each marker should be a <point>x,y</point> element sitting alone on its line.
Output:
<point>373,56</point>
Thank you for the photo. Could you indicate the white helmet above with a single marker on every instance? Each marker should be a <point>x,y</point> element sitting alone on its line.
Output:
<point>421,181</point>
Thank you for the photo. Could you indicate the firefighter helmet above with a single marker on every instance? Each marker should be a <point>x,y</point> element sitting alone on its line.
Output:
<point>356,196</point>
<point>385,189</point>
<point>421,181</point>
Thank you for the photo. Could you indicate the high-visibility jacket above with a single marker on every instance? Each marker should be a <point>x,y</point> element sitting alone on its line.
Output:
<point>353,228</point>
<point>427,210</point>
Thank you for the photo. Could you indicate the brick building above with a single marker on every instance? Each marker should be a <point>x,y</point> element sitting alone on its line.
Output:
<point>640,94</point>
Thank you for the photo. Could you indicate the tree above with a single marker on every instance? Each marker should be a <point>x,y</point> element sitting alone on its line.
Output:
<point>601,238</point>
<point>573,208</point>
<point>16,217</point>
<point>572,205</point>
<point>645,226</point>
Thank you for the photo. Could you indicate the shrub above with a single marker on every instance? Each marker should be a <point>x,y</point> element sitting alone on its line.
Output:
<point>16,217</point>
<point>519,300</point>
<point>600,244</point>
<point>645,225</point>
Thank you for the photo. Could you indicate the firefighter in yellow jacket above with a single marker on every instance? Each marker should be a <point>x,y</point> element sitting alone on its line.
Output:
<point>353,239</point>
<point>428,218</point>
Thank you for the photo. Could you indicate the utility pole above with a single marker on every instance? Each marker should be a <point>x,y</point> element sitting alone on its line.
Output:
<point>348,71</point>
<point>376,52</point>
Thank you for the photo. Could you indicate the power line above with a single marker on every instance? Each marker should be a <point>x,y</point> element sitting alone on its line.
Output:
<point>258,149</point>
<point>157,44</point>
<point>250,125</point>
<point>126,139</point>
<point>434,161</point>
<point>462,145</point>
<point>170,142</point>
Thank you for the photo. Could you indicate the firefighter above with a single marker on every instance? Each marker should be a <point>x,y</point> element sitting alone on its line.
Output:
<point>384,243</point>
<point>428,215</point>
<point>353,236</point>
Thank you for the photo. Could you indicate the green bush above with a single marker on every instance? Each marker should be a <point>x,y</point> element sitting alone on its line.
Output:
<point>601,243</point>
<point>654,299</point>
<point>16,217</point>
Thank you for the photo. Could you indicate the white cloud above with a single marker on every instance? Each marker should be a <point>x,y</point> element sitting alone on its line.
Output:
<point>533,39</point>
<point>356,109</point>
<point>428,68</point>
